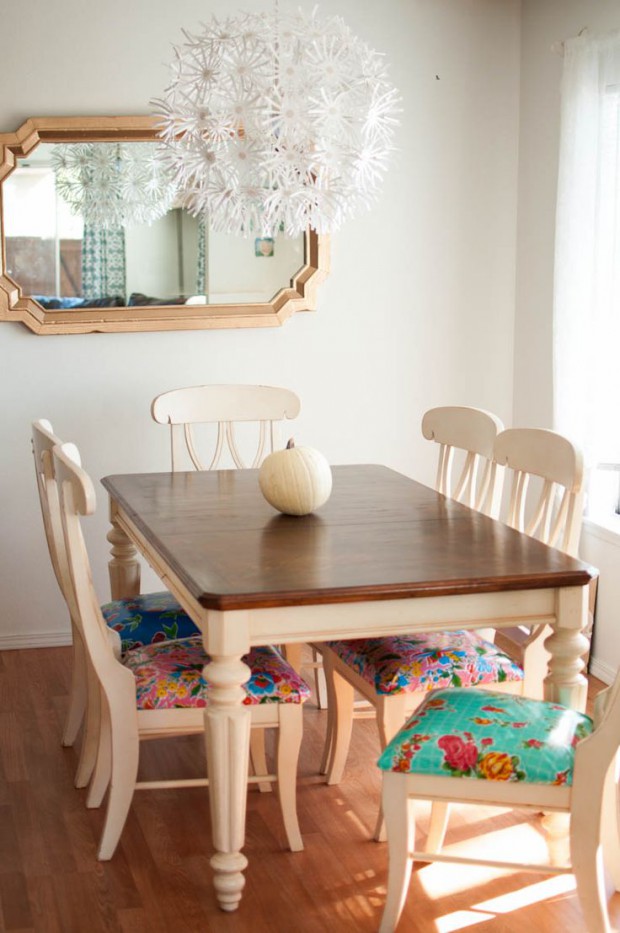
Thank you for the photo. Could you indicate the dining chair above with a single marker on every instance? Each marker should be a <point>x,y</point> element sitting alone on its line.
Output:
<point>545,502</point>
<point>394,673</point>
<point>246,422</point>
<point>475,747</point>
<point>227,407</point>
<point>133,622</point>
<point>158,690</point>
<point>470,432</point>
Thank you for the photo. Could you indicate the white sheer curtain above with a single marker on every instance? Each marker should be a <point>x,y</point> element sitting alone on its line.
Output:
<point>587,253</point>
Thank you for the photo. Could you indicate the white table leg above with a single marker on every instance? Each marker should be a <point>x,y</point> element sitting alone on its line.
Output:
<point>124,568</point>
<point>565,682</point>
<point>227,736</point>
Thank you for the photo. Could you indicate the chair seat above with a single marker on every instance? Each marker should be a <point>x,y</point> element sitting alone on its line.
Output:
<point>147,619</point>
<point>489,736</point>
<point>169,676</point>
<point>406,664</point>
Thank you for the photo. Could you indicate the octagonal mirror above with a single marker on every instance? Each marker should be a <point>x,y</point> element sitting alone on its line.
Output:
<point>69,265</point>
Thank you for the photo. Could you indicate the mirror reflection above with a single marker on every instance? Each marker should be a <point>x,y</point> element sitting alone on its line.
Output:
<point>66,261</point>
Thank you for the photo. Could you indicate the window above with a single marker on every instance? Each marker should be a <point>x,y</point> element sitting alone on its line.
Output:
<point>43,238</point>
<point>587,263</point>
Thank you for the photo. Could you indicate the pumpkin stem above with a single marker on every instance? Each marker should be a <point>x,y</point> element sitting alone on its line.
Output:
<point>291,443</point>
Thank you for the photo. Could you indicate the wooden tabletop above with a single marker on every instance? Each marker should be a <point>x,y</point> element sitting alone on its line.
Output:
<point>380,536</point>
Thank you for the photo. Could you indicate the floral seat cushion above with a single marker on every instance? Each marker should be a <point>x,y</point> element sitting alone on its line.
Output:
<point>147,619</point>
<point>169,676</point>
<point>397,663</point>
<point>489,736</point>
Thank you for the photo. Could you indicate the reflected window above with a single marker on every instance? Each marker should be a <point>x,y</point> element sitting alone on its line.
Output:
<point>43,238</point>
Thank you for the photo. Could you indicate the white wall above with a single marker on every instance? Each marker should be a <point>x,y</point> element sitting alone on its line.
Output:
<point>545,23</point>
<point>418,309</point>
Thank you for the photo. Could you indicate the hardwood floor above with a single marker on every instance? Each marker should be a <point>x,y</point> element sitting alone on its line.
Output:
<point>160,878</point>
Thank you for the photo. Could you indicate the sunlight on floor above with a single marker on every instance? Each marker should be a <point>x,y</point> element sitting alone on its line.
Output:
<point>526,842</point>
<point>506,903</point>
<point>515,842</point>
<point>355,821</point>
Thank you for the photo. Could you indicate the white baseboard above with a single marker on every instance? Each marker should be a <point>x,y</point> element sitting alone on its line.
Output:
<point>35,640</point>
<point>604,672</point>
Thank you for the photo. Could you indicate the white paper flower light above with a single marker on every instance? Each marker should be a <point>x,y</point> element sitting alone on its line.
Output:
<point>113,184</point>
<point>275,123</point>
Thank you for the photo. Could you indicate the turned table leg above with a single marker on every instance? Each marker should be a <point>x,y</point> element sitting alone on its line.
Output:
<point>227,736</point>
<point>565,682</point>
<point>124,568</point>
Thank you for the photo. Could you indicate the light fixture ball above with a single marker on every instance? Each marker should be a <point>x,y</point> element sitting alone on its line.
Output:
<point>277,123</point>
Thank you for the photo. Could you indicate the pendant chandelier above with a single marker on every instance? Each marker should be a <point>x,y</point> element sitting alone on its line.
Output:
<point>113,185</point>
<point>277,123</point>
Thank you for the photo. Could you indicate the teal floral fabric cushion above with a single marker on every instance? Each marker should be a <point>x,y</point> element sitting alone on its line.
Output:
<point>147,619</point>
<point>169,675</point>
<point>398,663</point>
<point>490,736</point>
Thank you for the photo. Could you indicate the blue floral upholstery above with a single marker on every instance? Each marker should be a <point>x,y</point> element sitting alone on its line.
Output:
<point>397,664</point>
<point>147,619</point>
<point>169,675</point>
<point>489,736</point>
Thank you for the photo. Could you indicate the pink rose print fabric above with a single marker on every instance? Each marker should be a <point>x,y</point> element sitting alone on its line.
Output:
<point>488,736</point>
<point>169,676</point>
<point>406,664</point>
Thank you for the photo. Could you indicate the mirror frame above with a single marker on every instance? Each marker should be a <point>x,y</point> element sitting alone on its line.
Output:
<point>14,306</point>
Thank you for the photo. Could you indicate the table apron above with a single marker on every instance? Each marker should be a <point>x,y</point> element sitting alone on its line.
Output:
<point>401,616</point>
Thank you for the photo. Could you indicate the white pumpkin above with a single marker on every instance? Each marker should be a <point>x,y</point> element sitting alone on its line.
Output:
<point>296,480</point>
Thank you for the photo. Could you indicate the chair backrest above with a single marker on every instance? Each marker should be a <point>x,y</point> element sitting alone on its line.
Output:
<point>43,442</point>
<point>76,498</point>
<point>224,406</point>
<point>555,515</point>
<point>473,431</point>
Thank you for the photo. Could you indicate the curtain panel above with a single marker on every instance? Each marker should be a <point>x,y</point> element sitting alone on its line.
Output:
<point>586,310</point>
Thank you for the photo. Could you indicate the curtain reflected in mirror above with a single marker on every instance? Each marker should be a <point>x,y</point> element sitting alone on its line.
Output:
<point>65,262</point>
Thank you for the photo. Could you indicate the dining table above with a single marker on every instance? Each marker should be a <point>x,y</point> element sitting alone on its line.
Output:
<point>384,555</point>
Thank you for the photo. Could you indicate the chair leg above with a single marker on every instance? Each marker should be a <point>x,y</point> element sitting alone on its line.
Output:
<point>328,674</point>
<point>611,822</point>
<point>92,727</point>
<point>103,765</point>
<point>341,698</point>
<point>587,858</point>
<point>320,680</point>
<point>287,756</point>
<point>77,692</point>
<point>400,822</point>
<point>258,757</point>
<point>440,813</point>
<point>391,714</point>
<point>292,655</point>
<point>125,757</point>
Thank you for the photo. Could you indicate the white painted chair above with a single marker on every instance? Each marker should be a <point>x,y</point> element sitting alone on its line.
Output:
<point>138,620</point>
<point>260,410</point>
<point>470,432</point>
<point>546,502</point>
<point>394,674</point>
<point>43,441</point>
<point>553,515</point>
<point>443,754</point>
<point>227,407</point>
<point>134,706</point>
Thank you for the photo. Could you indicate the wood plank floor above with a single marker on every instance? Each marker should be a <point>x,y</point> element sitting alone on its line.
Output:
<point>159,880</point>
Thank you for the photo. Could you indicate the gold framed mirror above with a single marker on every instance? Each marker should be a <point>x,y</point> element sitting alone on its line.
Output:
<point>62,273</point>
